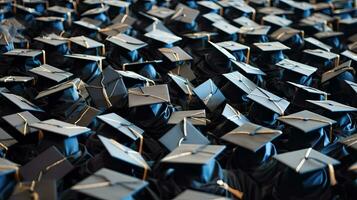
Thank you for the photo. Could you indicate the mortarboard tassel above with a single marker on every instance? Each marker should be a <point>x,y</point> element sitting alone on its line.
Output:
<point>25,124</point>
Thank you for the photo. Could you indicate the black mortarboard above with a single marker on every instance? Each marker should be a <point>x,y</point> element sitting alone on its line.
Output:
<point>95,11</point>
<point>309,89</point>
<point>196,117</point>
<point>226,27</point>
<point>274,11</point>
<point>193,154</point>
<point>241,81</point>
<point>251,136</point>
<point>234,115</point>
<point>254,30</point>
<point>49,165</point>
<point>84,117</point>
<point>148,95</point>
<point>333,106</point>
<point>114,29</point>
<point>109,185</point>
<point>307,121</point>
<point>184,71</point>
<point>223,51</point>
<point>244,21</point>
<point>184,14</point>
<point>87,44</point>
<point>175,54</point>
<point>27,53</point>
<point>21,102</point>
<point>323,54</point>
<point>208,6</point>
<point>285,33</point>
<point>52,39</point>
<point>297,67</point>
<point>248,69</point>
<point>330,74</point>
<point>183,133</point>
<point>305,160</point>
<point>16,79</point>
<point>58,88</point>
<point>51,73</point>
<point>232,46</point>
<point>210,94</point>
<point>127,42</point>
<point>162,36</point>
<point>276,21</point>
<point>20,121</point>
<point>184,84</point>
<point>317,44</point>
<point>46,189</point>
<point>353,85</point>
<point>161,12</point>
<point>192,194</point>
<point>350,142</point>
<point>269,100</point>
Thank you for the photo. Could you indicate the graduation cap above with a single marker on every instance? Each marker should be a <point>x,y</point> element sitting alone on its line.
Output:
<point>327,34</point>
<point>271,46</point>
<point>49,165</point>
<point>124,19</point>
<point>309,89</point>
<point>209,94</point>
<point>245,21</point>
<point>184,14</point>
<point>236,48</point>
<point>87,25</point>
<point>64,11</point>
<point>135,77</point>
<point>193,154</point>
<point>234,115</point>
<point>333,106</point>
<point>223,51</point>
<point>26,10</point>
<point>297,67</point>
<point>142,96</point>
<point>84,117</point>
<point>6,141</point>
<point>323,54</point>
<point>330,74</point>
<point>127,129</point>
<point>209,7</point>
<point>274,11</point>
<point>162,36</point>
<point>192,194</point>
<point>248,69</point>
<point>195,117</point>
<point>109,184</point>
<point>175,54</point>
<point>226,27</point>
<point>317,44</point>
<point>285,33</point>
<point>251,136</point>
<point>27,53</point>
<point>240,81</point>
<point>349,54</point>
<point>20,121</point>
<point>86,43</point>
<point>21,102</point>
<point>305,160</point>
<point>184,71</point>
<point>213,17</point>
<point>58,88</point>
<point>114,29</point>
<point>242,8</point>
<point>184,84</point>
<point>51,73</point>
<point>16,79</point>
<point>183,133</point>
<point>124,154</point>
<point>46,189</point>
<point>277,21</point>
<point>161,12</point>
<point>127,42</point>
<point>269,100</point>
<point>52,40</point>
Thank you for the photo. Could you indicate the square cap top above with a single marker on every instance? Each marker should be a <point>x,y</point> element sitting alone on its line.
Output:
<point>251,136</point>
<point>297,67</point>
<point>223,51</point>
<point>184,14</point>
<point>127,42</point>
<point>276,20</point>
<point>193,154</point>
<point>20,121</point>
<point>122,125</point>
<point>242,6</point>
<point>87,24</point>
<point>52,73</point>
<point>175,54</point>
<point>327,34</point>
<point>350,141</point>
<point>184,84</point>
<point>318,43</point>
<point>16,79</point>
<point>124,19</point>
<point>49,165</point>
<point>45,189</point>
<point>284,33</point>
<point>321,53</point>
<point>305,160</point>
<point>192,194</point>
<point>353,85</point>
<point>184,71</point>
<point>9,167</point>
<point>6,141</point>
<point>330,74</point>
<point>142,96</point>
<point>308,89</point>
<point>213,17</point>
<point>183,133</point>
<point>86,42</point>
<point>226,27</point>
<point>350,54</point>
<point>274,11</point>
<point>241,81</point>
<point>134,75</point>
<point>123,153</point>
<point>57,88</point>
<point>95,11</point>
<point>161,12</point>
<point>269,100</point>
<point>200,35</point>
<point>110,185</point>
<point>24,52</point>
<point>232,46</point>
<point>61,128</point>
<point>50,19</point>
<point>196,117</point>
<point>307,121</point>
<point>271,46</point>
<point>234,115</point>
<point>86,57</point>
<point>26,9</point>
<point>245,21</point>
<point>333,106</point>
<point>93,2</point>
<point>248,68</point>
<point>298,5</point>
<point>60,9</point>
<point>116,3</point>
<point>52,39</point>
<point>254,30</point>
<point>210,94</point>
<point>162,36</point>
<point>21,102</point>
<point>209,4</point>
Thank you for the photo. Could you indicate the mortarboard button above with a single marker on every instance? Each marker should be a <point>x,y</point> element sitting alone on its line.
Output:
<point>251,136</point>
<point>209,94</point>
<point>148,95</point>
<point>271,46</point>
<point>195,117</point>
